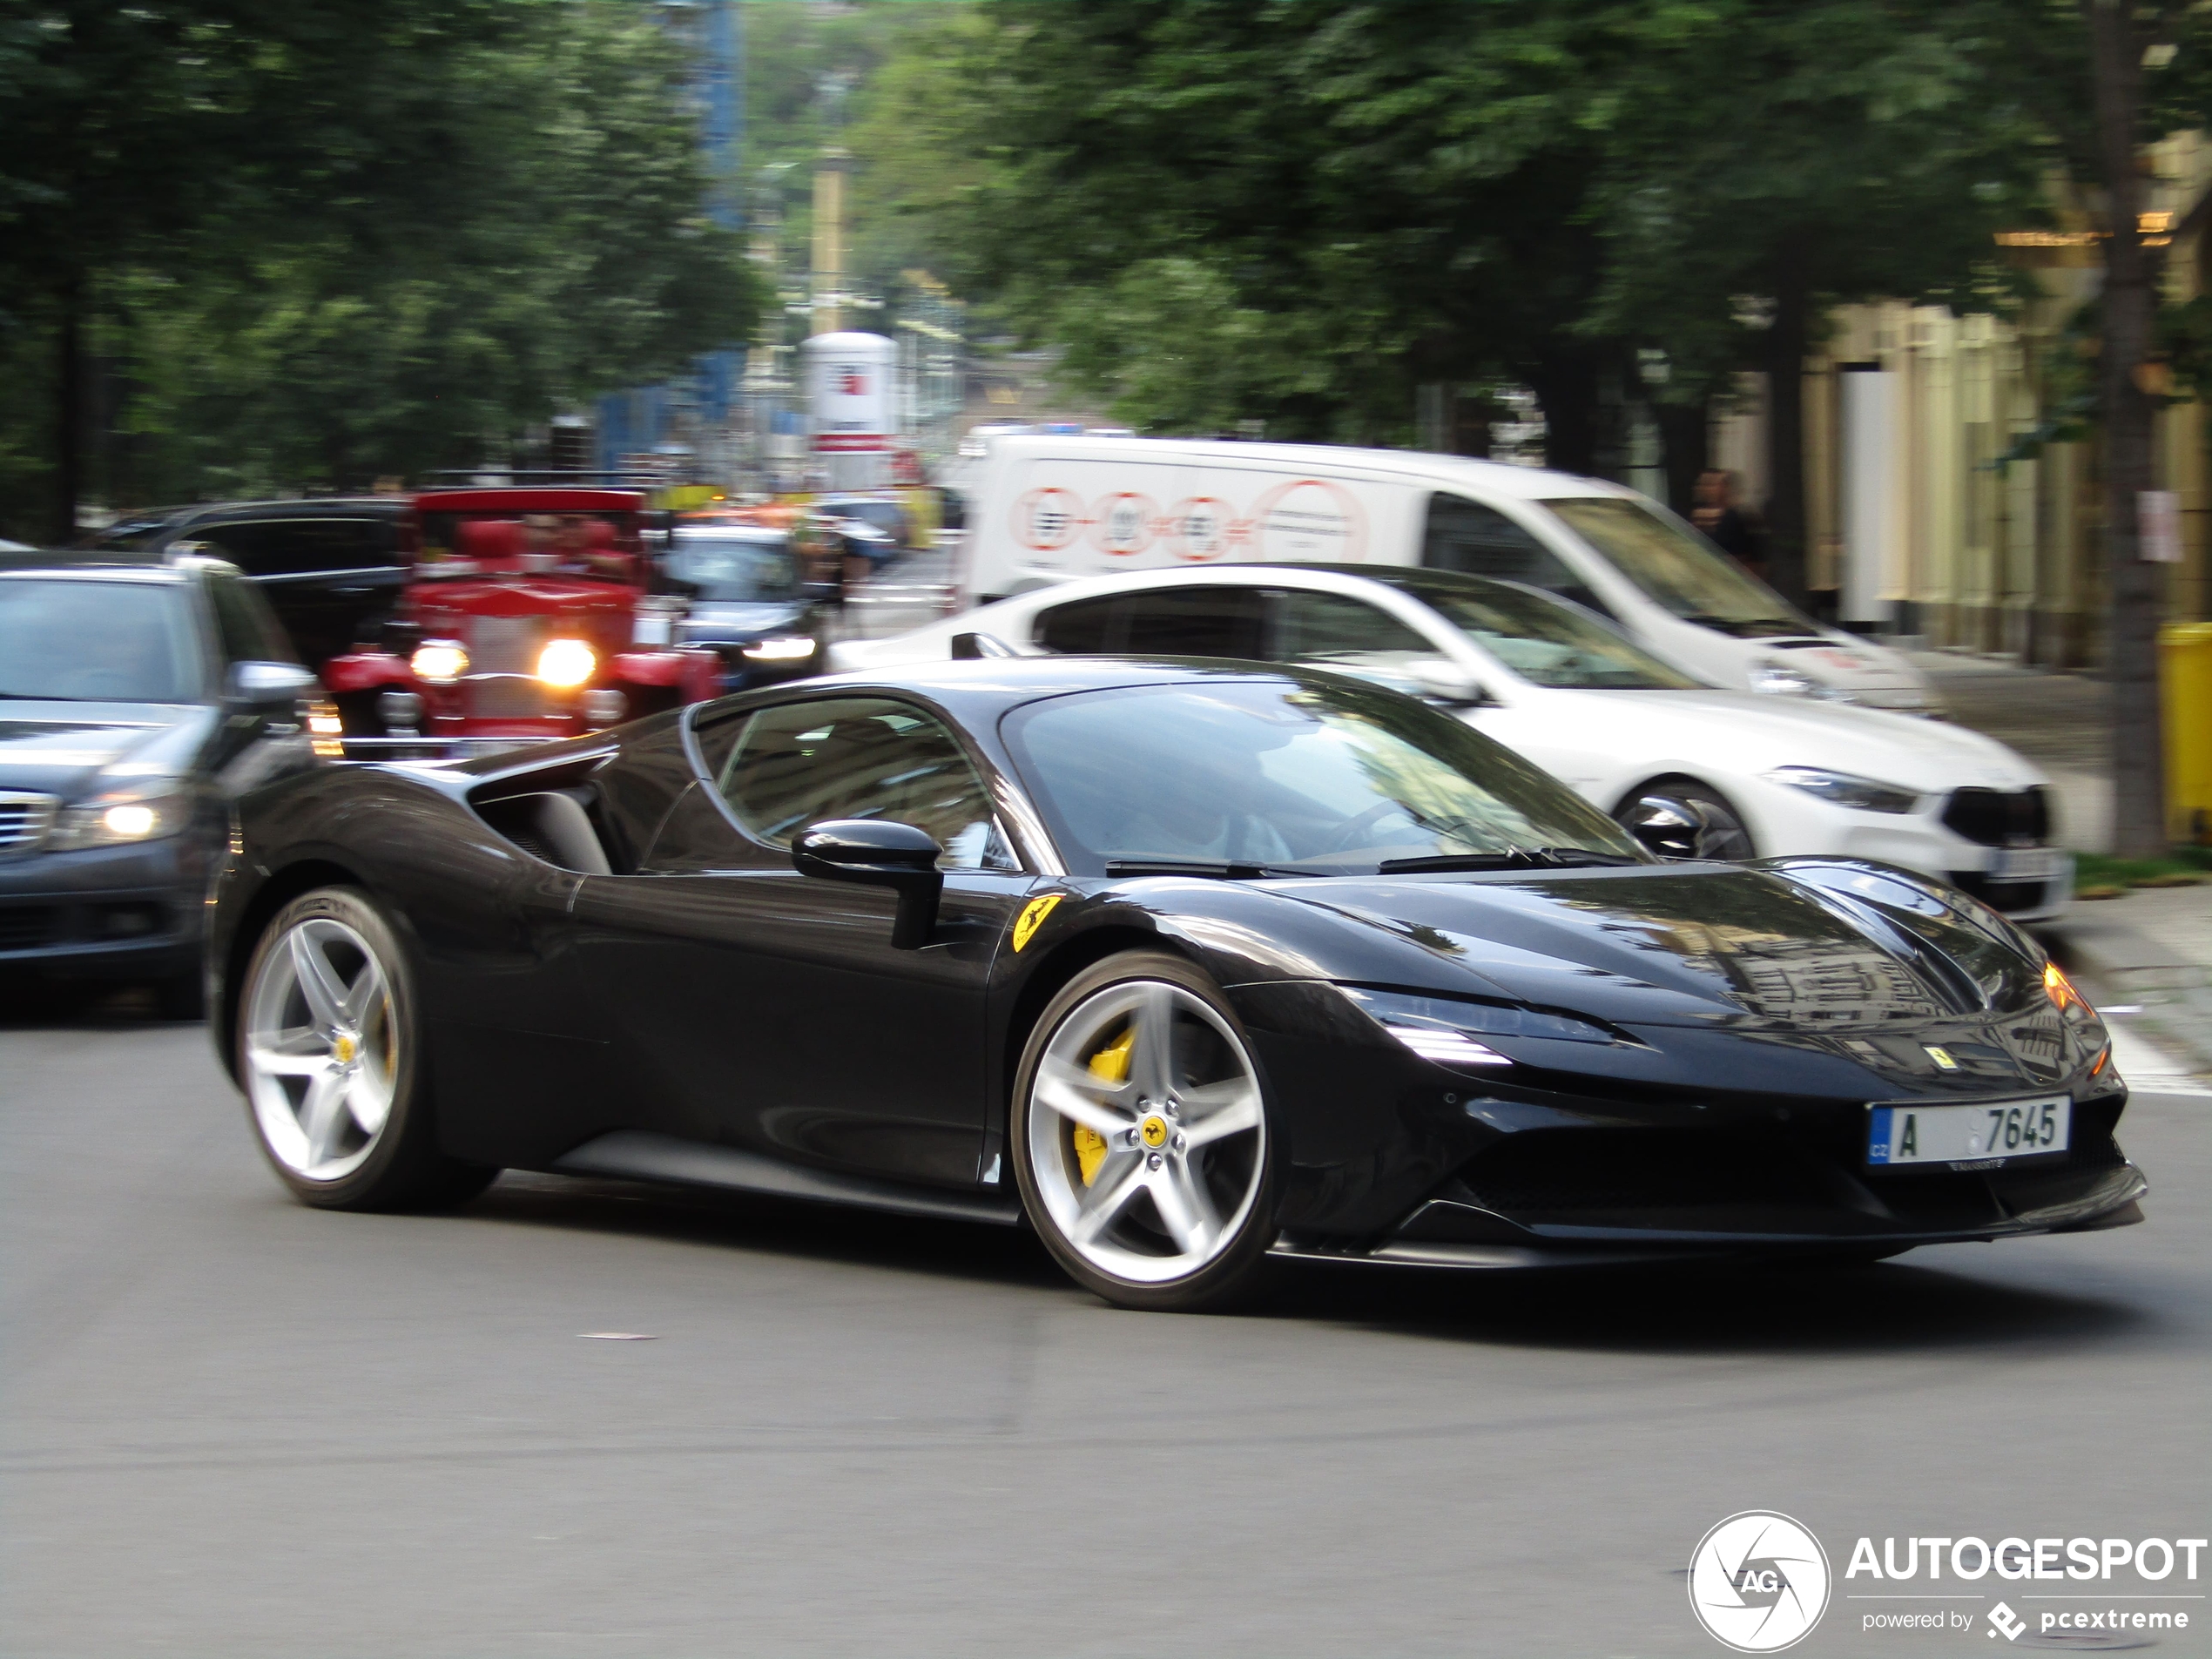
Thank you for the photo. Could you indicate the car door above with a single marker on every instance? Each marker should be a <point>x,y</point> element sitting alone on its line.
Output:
<point>760,1007</point>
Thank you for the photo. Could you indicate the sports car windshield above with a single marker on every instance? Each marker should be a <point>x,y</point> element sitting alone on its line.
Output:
<point>1678,568</point>
<point>1550,644</point>
<point>98,642</point>
<point>1281,776</point>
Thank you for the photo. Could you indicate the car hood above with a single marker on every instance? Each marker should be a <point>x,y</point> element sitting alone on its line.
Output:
<point>1848,664</point>
<point>1700,946</point>
<point>1750,732</point>
<point>59,748</point>
<point>724,622</point>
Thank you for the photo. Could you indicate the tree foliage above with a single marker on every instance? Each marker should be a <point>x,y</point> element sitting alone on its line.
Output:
<point>303,247</point>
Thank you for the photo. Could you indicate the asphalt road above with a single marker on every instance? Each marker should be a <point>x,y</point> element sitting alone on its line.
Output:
<point>236,1426</point>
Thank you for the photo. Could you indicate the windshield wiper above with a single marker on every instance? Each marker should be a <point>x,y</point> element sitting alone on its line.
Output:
<point>1515,859</point>
<point>1543,857</point>
<point>1222,869</point>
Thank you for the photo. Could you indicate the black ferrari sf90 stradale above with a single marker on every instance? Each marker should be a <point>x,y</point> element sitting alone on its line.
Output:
<point>1183,964</point>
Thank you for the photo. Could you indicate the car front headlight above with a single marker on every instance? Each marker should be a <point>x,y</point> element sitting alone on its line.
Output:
<point>1841,789</point>
<point>439,662</point>
<point>1778,679</point>
<point>780,648</point>
<point>566,664</point>
<point>1452,1032</point>
<point>121,817</point>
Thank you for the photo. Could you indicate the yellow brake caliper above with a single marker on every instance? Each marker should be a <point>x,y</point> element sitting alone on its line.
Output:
<point>1109,1065</point>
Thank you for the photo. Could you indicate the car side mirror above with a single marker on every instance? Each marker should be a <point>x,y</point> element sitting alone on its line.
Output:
<point>879,854</point>
<point>270,685</point>
<point>974,647</point>
<point>1442,680</point>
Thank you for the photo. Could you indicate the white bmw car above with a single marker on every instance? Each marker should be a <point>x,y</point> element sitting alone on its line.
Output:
<point>1696,771</point>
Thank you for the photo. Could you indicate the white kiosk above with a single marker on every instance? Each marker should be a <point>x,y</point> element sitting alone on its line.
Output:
<point>849,379</point>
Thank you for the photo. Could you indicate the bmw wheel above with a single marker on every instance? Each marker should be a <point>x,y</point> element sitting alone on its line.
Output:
<point>1143,1144</point>
<point>330,1057</point>
<point>1679,818</point>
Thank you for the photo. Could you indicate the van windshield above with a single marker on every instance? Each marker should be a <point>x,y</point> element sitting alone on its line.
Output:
<point>1678,568</point>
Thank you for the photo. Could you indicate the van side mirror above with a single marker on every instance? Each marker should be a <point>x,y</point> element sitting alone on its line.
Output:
<point>879,854</point>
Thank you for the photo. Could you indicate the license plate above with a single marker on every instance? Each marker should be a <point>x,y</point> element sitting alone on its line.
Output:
<point>2027,864</point>
<point>1974,1137</point>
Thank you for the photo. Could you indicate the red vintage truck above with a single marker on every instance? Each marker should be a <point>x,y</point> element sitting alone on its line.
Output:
<point>530,616</point>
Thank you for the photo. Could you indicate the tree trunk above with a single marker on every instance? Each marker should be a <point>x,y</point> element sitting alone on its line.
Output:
<point>1566,387</point>
<point>2130,303</point>
<point>1685,445</point>
<point>69,411</point>
<point>1786,431</point>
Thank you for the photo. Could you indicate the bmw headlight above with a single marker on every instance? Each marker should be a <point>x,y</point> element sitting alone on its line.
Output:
<point>120,817</point>
<point>1841,789</point>
<point>1772,675</point>
<point>1452,1032</point>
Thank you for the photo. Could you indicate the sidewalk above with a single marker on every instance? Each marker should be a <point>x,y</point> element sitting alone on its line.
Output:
<point>2146,961</point>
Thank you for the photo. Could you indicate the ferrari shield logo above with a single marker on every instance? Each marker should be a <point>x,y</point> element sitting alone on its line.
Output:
<point>1032,917</point>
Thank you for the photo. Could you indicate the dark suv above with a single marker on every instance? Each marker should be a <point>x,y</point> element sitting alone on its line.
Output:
<point>332,569</point>
<point>137,700</point>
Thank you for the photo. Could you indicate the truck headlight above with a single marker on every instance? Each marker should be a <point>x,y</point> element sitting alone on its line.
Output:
<point>119,819</point>
<point>566,664</point>
<point>439,662</point>
<point>779,648</point>
<point>1863,794</point>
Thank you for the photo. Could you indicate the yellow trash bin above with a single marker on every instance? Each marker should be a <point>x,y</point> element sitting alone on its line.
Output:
<point>2185,677</point>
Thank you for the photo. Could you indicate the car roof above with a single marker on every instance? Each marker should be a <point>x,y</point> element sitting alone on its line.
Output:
<point>524,498</point>
<point>1496,477</point>
<point>976,689</point>
<point>104,566</point>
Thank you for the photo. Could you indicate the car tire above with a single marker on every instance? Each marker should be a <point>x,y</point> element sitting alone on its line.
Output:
<point>1170,1206</point>
<point>330,1055</point>
<point>1692,817</point>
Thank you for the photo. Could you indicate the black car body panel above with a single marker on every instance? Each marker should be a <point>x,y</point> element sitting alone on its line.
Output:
<point>1693,1049</point>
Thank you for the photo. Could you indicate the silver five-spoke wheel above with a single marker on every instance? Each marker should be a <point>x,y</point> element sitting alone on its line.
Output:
<point>1146,1131</point>
<point>321,1054</point>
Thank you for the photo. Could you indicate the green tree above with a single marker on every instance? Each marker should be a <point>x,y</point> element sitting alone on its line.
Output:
<point>310,245</point>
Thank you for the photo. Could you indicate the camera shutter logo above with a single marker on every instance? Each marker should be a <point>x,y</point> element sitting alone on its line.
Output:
<point>1758,1582</point>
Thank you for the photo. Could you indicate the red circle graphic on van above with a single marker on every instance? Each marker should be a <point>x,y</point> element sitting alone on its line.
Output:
<point>1049,519</point>
<point>1200,528</point>
<point>1122,523</point>
<point>1310,520</point>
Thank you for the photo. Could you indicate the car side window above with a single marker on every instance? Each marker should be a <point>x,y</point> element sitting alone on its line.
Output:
<point>795,763</point>
<point>1083,628</point>
<point>1334,628</point>
<point>1475,540</point>
<point>248,629</point>
<point>1193,622</point>
<point>302,546</point>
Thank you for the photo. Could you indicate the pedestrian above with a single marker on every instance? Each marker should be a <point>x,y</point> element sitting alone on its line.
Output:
<point>1727,525</point>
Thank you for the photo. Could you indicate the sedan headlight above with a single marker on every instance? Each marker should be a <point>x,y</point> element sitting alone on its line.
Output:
<point>780,648</point>
<point>120,818</point>
<point>1772,675</point>
<point>1840,788</point>
<point>1451,1032</point>
<point>566,664</point>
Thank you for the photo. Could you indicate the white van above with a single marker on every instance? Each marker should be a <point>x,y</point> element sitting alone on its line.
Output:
<point>1047,508</point>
